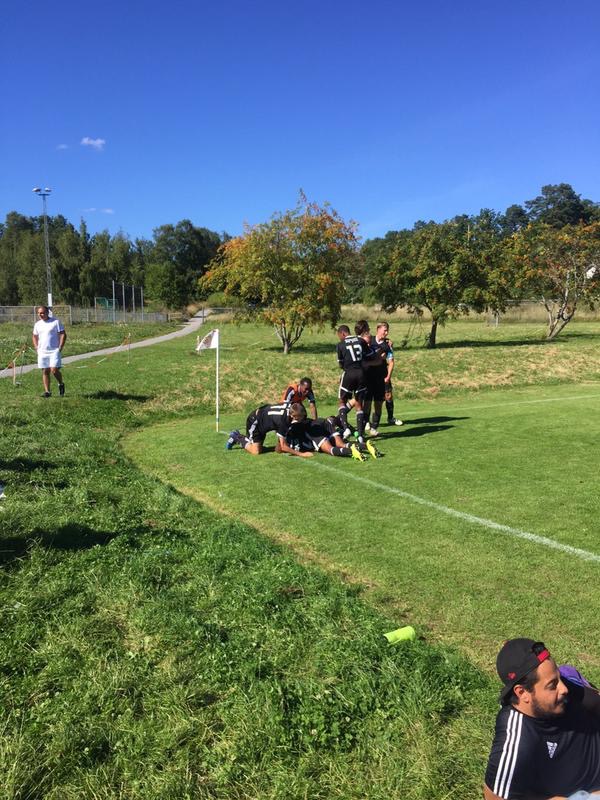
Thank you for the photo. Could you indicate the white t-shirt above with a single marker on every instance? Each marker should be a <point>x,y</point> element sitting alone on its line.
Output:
<point>48,332</point>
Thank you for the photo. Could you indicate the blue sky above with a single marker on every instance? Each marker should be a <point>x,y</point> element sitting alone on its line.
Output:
<point>140,114</point>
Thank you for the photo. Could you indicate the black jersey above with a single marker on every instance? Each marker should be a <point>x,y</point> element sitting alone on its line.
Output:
<point>351,351</point>
<point>308,436</point>
<point>272,418</point>
<point>546,757</point>
<point>378,356</point>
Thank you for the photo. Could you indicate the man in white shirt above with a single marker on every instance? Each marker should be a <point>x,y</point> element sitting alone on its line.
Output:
<point>49,338</point>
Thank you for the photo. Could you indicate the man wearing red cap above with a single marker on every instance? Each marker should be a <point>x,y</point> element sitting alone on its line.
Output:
<point>547,740</point>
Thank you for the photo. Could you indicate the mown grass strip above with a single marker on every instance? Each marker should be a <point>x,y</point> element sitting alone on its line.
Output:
<point>544,541</point>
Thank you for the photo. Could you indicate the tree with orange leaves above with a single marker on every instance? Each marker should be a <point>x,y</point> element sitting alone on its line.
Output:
<point>561,266</point>
<point>289,271</point>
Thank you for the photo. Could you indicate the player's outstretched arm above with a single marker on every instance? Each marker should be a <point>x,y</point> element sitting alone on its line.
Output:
<point>283,447</point>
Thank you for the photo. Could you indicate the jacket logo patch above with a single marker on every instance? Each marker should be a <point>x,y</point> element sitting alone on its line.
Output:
<point>552,748</point>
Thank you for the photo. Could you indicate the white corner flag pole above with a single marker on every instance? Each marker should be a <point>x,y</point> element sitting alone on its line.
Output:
<point>211,342</point>
<point>217,379</point>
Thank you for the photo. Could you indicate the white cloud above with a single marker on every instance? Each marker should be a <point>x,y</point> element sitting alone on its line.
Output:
<point>62,146</point>
<point>107,210</point>
<point>93,210</point>
<point>97,144</point>
<point>90,209</point>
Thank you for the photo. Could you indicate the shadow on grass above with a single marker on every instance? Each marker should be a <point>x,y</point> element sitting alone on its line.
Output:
<point>26,465</point>
<point>304,349</point>
<point>67,537</point>
<point>432,420</point>
<point>563,338</point>
<point>497,343</point>
<point>320,348</point>
<point>112,395</point>
<point>422,430</point>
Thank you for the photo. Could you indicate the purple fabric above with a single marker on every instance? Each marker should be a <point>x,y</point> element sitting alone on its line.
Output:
<point>571,674</point>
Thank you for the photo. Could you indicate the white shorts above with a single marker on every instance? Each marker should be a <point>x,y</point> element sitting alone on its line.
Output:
<point>49,359</point>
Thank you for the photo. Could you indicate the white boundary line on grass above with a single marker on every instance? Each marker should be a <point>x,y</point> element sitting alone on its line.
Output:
<point>452,512</point>
<point>523,402</point>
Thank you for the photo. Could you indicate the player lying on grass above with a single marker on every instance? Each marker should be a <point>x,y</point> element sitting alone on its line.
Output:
<point>547,740</point>
<point>323,435</point>
<point>277,418</point>
<point>299,392</point>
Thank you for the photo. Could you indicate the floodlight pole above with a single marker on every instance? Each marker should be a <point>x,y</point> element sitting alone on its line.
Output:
<point>44,194</point>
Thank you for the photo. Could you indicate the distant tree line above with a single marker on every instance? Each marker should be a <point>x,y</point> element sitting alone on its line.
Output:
<point>548,249</point>
<point>83,265</point>
<point>297,269</point>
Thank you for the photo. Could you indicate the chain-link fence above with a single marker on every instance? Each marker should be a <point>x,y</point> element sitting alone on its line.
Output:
<point>74,314</point>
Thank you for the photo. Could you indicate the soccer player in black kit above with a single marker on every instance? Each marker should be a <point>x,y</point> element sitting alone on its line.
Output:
<point>377,377</point>
<point>278,418</point>
<point>351,351</point>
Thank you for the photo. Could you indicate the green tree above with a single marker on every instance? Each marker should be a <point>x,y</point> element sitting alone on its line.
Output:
<point>559,205</point>
<point>376,258</point>
<point>179,258</point>
<point>561,266</point>
<point>67,265</point>
<point>31,270</point>
<point>164,284</point>
<point>120,258</point>
<point>438,268</point>
<point>290,270</point>
<point>96,274</point>
<point>13,232</point>
<point>515,217</point>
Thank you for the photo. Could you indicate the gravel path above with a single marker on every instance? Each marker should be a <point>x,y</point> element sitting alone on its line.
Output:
<point>190,326</point>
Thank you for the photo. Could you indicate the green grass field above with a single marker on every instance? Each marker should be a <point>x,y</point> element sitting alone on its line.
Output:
<point>15,338</point>
<point>404,524</point>
<point>185,622</point>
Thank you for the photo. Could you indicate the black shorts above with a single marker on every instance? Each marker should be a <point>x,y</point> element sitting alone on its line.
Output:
<point>317,433</point>
<point>352,384</point>
<point>255,436</point>
<point>333,426</point>
<point>309,439</point>
<point>376,384</point>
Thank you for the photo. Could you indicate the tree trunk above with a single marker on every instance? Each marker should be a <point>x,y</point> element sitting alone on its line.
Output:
<point>556,325</point>
<point>431,339</point>
<point>559,319</point>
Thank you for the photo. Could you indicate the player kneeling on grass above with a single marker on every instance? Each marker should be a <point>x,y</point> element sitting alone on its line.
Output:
<point>323,435</point>
<point>299,393</point>
<point>277,418</point>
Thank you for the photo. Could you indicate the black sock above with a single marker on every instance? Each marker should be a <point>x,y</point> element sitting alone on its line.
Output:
<point>341,451</point>
<point>343,415</point>
<point>367,410</point>
<point>389,407</point>
<point>360,423</point>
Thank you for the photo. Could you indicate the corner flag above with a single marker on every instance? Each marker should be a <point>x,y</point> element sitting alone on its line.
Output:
<point>211,342</point>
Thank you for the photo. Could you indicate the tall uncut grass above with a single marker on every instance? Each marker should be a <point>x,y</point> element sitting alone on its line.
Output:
<point>151,648</point>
